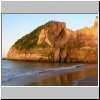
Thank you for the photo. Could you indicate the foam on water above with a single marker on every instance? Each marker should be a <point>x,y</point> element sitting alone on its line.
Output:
<point>11,74</point>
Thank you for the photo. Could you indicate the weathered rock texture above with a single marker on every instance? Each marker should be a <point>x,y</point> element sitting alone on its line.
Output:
<point>53,42</point>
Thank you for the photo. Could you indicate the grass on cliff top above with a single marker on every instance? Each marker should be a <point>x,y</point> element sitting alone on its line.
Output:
<point>30,40</point>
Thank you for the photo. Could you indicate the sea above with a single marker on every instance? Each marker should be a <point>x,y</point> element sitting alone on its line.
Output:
<point>21,72</point>
<point>24,73</point>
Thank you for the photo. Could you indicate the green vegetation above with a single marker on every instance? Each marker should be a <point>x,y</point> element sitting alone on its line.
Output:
<point>30,40</point>
<point>65,46</point>
<point>43,45</point>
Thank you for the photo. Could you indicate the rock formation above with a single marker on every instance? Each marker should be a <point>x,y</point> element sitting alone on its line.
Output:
<point>53,42</point>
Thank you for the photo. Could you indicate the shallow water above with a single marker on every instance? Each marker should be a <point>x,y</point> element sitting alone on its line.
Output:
<point>20,73</point>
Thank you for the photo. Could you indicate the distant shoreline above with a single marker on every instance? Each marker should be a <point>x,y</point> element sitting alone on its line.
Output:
<point>4,59</point>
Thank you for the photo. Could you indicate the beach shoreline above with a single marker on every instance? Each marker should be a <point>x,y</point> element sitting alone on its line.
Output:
<point>88,81</point>
<point>76,78</point>
<point>49,74</point>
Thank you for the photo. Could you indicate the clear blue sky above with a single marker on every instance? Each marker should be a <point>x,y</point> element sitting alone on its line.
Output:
<point>14,26</point>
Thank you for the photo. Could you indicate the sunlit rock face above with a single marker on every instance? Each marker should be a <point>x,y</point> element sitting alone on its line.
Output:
<point>53,42</point>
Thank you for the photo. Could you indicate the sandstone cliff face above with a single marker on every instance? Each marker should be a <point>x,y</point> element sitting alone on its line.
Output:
<point>53,42</point>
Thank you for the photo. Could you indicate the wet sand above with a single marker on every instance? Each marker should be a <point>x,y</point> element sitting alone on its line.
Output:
<point>88,81</point>
<point>63,81</point>
<point>61,76</point>
<point>83,77</point>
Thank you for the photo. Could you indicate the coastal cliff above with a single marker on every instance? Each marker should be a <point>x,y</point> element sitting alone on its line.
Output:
<point>53,42</point>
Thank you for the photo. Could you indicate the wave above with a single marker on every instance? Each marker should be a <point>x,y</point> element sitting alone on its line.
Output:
<point>12,75</point>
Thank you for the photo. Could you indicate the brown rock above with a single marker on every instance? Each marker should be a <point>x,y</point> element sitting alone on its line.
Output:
<point>56,43</point>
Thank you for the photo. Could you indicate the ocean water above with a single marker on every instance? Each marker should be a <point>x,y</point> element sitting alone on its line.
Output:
<point>23,72</point>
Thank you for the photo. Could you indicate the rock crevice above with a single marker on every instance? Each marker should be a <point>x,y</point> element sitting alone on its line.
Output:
<point>53,42</point>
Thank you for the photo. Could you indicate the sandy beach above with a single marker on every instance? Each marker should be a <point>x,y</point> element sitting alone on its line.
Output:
<point>88,81</point>
<point>53,75</point>
<point>77,77</point>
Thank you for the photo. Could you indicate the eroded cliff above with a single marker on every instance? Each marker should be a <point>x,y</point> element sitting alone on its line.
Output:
<point>53,42</point>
